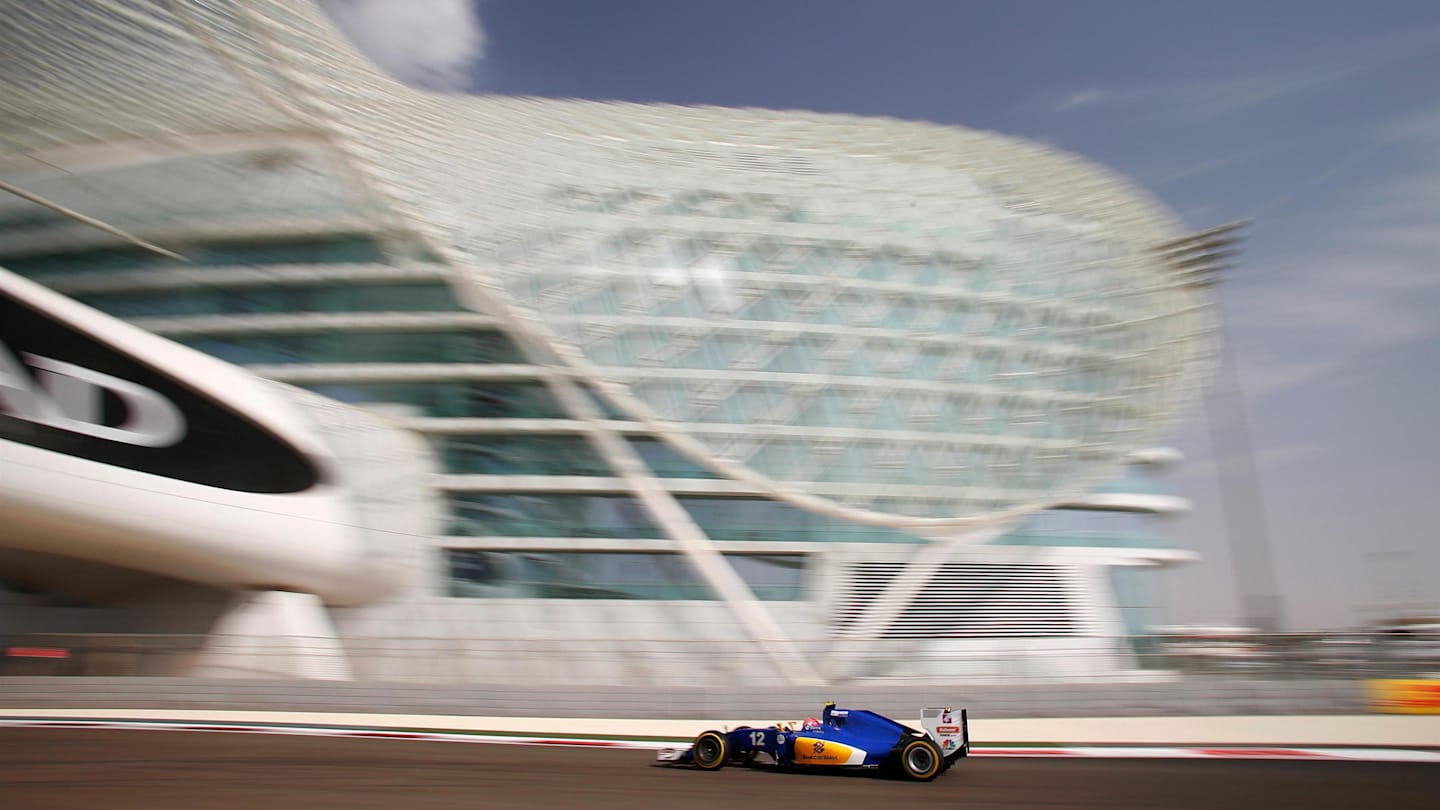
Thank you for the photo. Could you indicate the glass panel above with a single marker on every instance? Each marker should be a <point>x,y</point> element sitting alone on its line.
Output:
<point>666,463</point>
<point>607,575</point>
<point>1134,596</point>
<point>88,261</point>
<point>546,515</point>
<point>253,350</point>
<point>272,299</point>
<point>452,399</point>
<point>772,577</point>
<point>759,519</point>
<point>25,214</point>
<point>603,405</point>
<point>531,454</point>
<point>330,250</point>
<point>1081,527</point>
<point>396,298</point>
<point>346,250</point>
<point>564,515</point>
<point>511,401</point>
<point>361,347</point>
<point>520,455</point>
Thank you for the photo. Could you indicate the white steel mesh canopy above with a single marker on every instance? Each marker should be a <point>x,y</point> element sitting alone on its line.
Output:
<point>892,322</point>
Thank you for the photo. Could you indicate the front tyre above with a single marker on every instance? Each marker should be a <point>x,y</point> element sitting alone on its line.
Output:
<point>920,760</point>
<point>710,751</point>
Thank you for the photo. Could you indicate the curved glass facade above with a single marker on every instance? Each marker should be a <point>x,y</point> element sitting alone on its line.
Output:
<point>970,343</point>
<point>855,334</point>
<point>569,514</point>
<point>937,298</point>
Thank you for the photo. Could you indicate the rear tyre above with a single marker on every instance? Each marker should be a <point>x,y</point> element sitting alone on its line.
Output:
<point>710,751</point>
<point>920,760</point>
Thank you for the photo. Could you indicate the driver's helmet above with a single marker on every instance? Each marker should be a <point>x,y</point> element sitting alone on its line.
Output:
<point>811,724</point>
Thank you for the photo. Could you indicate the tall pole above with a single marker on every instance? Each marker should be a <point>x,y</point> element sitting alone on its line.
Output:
<point>1241,502</point>
<point>1200,259</point>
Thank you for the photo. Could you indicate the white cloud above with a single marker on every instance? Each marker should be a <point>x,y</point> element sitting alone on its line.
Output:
<point>1202,167</point>
<point>1172,172</point>
<point>1369,280</point>
<point>433,44</point>
<point>1080,98</point>
<point>1294,333</point>
<point>1194,100</point>
<point>1206,99</point>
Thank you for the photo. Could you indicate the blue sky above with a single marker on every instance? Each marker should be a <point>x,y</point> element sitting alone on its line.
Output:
<point>1318,119</point>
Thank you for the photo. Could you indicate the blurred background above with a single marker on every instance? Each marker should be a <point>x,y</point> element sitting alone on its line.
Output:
<point>1122,374</point>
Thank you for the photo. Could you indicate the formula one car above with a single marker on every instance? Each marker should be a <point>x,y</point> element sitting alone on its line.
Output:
<point>840,738</point>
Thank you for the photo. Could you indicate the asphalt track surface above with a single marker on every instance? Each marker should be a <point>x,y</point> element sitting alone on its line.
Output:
<point>59,769</point>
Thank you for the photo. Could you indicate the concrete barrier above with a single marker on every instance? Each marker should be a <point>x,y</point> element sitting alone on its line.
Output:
<point>1199,697</point>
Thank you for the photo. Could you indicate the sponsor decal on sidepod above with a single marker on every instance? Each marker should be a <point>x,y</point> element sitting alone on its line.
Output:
<point>810,751</point>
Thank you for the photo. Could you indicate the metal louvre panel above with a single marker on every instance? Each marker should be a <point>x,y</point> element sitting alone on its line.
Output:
<point>966,600</point>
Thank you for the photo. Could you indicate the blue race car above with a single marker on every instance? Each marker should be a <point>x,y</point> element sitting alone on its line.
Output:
<point>840,738</point>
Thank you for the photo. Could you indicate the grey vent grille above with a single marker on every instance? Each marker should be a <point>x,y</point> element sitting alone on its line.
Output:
<point>967,600</point>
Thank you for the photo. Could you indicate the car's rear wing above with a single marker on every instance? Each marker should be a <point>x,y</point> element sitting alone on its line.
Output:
<point>949,730</point>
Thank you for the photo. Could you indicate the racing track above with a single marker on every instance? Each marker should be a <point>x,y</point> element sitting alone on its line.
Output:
<point>60,769</point>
